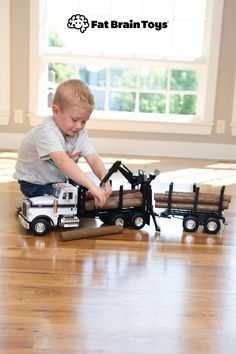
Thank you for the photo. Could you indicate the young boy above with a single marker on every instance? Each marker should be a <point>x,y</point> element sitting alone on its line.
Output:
<point>49,153</point>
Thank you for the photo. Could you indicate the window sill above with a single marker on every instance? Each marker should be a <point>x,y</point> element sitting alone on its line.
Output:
<point>128,125</point>
<point>169,127</point>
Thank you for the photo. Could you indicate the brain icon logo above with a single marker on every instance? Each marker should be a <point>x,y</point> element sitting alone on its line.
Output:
<point>79,22</point>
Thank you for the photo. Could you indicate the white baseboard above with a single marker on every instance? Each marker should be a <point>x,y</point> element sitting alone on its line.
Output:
<point>10,141</point>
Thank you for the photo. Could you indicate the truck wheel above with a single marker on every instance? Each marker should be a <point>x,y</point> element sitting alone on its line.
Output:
<point>212,225</point>
<point>137,221</point>
<point>40,227</point>
<point>190,223</point>
<point>117,219</point>
<point>104,219</point>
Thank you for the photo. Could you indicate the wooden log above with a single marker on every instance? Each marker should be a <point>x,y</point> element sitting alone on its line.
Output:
<point>184,198</point>
<point>113,203</point>
<point>205,195</point>
<point>226,197</point>
<point>90,232</point>
<point>127,193</point>
<point>183,206</point>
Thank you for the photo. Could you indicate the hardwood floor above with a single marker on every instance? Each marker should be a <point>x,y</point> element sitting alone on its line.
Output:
<point>140,292</point>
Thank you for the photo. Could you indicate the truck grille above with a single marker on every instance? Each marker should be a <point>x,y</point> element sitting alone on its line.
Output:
<point>25,207</point>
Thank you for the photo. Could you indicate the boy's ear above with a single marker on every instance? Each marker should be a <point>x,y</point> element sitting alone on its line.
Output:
<point>55,109</point>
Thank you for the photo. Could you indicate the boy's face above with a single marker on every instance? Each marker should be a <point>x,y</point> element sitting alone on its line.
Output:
<point>71,120</point>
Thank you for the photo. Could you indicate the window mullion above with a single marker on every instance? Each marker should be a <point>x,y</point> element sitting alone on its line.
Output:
<point>107,89</point>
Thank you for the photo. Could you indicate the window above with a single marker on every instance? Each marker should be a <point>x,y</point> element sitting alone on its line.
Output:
<point>141,67</point>
<point>67,196</point>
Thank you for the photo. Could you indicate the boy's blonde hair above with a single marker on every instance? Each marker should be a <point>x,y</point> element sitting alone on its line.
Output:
<point>73,92</point>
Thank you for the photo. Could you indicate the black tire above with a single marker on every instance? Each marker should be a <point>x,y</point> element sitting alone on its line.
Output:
<point>104,218</point>
<point>40,226</point>
<point>212,225</point>
<point>137,221</point>
<point>190,223</point>
<point>117,219</point>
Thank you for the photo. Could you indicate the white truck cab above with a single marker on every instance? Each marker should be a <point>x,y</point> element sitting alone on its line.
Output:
<point>40,214</point>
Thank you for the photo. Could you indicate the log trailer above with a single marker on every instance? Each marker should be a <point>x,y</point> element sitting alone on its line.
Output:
<point>70,202</point>
<point>194,208</point>
<point>130,208</point>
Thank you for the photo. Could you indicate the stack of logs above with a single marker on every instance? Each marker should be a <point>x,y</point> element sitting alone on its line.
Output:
<point>131,198</point>
<point>185,201</point>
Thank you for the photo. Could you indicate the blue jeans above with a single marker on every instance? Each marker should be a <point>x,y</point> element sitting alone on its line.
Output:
<point>35,190</point>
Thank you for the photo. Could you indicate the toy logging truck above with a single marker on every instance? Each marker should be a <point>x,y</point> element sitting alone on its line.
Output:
<point>131,208</point>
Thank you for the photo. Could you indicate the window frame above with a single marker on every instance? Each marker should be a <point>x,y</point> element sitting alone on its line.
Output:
<point>208,66</point>
<point>5,62</point>
<point>233,119</point>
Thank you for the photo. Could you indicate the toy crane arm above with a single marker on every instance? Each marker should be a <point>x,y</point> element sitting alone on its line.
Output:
<point>134,180</point>
<point>118,166</point>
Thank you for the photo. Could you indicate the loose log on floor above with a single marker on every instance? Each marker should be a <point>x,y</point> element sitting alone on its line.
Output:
<point>90,232</point>
<point>183,206</point>
<point>185,198</point>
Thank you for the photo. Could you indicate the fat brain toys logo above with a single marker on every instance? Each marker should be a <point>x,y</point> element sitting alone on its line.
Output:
<point>79,22</point>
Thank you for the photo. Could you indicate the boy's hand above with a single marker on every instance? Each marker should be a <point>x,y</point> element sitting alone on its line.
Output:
<point>99,195</point>
<point>108,189</point>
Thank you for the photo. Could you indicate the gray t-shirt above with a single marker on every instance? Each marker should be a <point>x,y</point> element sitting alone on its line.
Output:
<point>34,164</point>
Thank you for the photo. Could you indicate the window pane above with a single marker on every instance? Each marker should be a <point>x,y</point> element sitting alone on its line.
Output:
<point>184,80</point>
<point>58,72</point>
<point>164,9</point>
<point>152,103</point>
<point>183,104</point>
<point>153,78</point>
<point>190,9</point>
<point>122,101</point>
<point>123,42</point>
<point>101,7</point>
<point>133,8</point>
<point>148,47</point>
<point>99,97</point>
<point>56,29</point>
<point>187,41</point>
<point>50,97</point>
<point>60,5</point>
<point>92,75</point>
<point>123,77</point>
<point>54,39</point>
